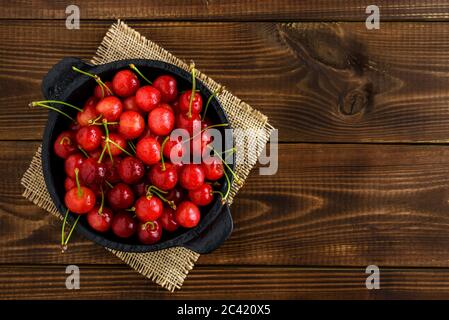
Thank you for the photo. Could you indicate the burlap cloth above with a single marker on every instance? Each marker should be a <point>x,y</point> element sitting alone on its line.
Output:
<point>168,267</point>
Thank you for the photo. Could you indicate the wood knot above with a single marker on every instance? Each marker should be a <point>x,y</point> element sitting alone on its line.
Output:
<point>353,102</point>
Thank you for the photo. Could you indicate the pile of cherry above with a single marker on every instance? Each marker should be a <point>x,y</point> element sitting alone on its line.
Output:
<point>119,173</point>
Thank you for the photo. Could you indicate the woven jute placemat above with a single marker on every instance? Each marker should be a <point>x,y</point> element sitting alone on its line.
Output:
<point>168,267</point>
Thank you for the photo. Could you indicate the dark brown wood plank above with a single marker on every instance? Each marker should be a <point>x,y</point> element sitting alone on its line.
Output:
<point>119,282</point>
<point>318,10</point>
<point>316,82</point>
<point>329,205</point>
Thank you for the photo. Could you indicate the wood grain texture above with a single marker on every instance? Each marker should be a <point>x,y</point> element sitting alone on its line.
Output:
<point>328,205</point>
<point>316,10</point>
<point>316,82</point>
<point>119,282</point>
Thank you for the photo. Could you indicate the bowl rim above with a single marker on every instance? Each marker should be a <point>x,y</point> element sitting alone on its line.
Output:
<point>48,139</point>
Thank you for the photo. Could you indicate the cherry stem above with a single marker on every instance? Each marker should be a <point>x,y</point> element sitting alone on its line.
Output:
<point>71,231</point>
<point>63,227</point>
<point>94,121</point>
<point>118,146</point>
<point>80,192</point>
<point>192,95</point>
<point>151,223</point>
<point>214,94</point>
<point>231,150</point>
<point>64,242</point>
<point>228,188</point>
<point>157,191</point>
<point>61,102</point>
<point>202,130</point>
<point>64,139</point>
<point>38,104</point>
<point>102,153</point>
<point>131,209</point>
<point>162,152</point>
<point>223,198</point>
<point>83,152</point>
<point>100,211</point>
<point>133,67</point>
<point>109,184</point>
<point>151,188</point>
<point>97,79</point>
<point>106,130</point>
<point>227,166</point>
<point>130,144</point>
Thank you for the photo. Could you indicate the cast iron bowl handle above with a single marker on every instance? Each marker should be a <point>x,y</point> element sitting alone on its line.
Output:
<point>214,235</point>
<point>60,76</point>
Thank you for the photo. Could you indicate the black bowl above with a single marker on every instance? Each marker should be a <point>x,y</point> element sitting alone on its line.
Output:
<point>62,83</point>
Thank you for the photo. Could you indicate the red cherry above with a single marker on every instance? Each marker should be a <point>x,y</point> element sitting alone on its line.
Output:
<point>167,106</point>
<point>97,189</point>
<point>113,127</point>
<point>64,144</point>
<point>80,200</point>
<point>92,172</point>
<point>176,195</point>
<point>130,104</point>
<point>120,196</point>
<point>110,107</point>
<point>139,189</point>
<point>89,138</point>
<point>149,232</point>
<point>184,102</point>
<point>213,169</point>
<point>100,94</point>
<point>131,170</point>
<point>163,179</point>
<point>148,208</point>
<point>91,102</point>
<point>112,175</point>
<point>131,125</point>
<point>202,196</point>
<point>100,221</point>
<point>200,143</point>
<point>206,123</point>
<point>146,133</point>
<point>147,98</point>
<point>175,106</point>
<point>161,121</point>
<point>118,139</point>
<point>178,166</point>
<point>148,150</point>
<point>74,126</point>
<point>192,176</point>
<point>88,115</point>
<point>73,162</point>
<point>174,150</point>
<point>95,154</point>
<point>187,214</point>
<point>192,124</point>
<point>125,83</point>
<point>69,183</point>
<point>123,225</point>
<point>168,220</point>
<point>167,86</point>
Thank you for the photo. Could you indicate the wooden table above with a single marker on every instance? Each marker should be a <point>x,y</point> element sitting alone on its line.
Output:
<point>363,119</point>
